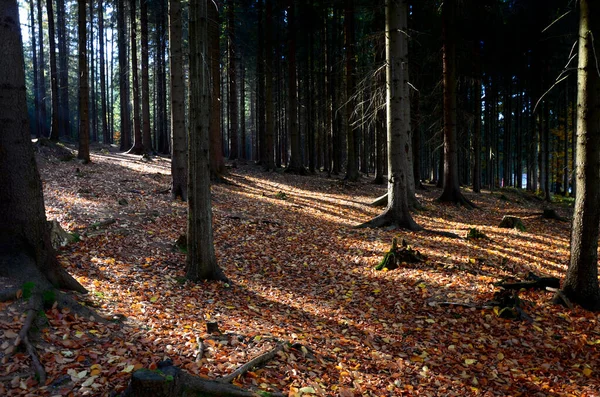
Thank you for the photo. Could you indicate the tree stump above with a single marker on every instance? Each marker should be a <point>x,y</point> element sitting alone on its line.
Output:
<point>398,255</point>
<point>512,222</point>
<point>550,213</point>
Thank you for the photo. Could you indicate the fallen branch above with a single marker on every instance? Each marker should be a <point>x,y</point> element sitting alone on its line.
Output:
<point>9,294</point>
<point>171,381</point>
<point>263,358</point>
<point>461,304</point>
<point>535,282</point>
<point>560,298</point>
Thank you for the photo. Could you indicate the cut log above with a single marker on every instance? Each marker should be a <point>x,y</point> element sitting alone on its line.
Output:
<point>512,222</point>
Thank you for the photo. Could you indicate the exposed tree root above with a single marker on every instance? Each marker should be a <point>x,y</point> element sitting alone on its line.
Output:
<point>34,307</point>
<point>456,197</point>
<point>171,381</point>
<point>387,219</point>
<point>380,201</point>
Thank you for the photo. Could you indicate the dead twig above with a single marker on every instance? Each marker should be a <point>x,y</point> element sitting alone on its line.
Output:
<point>263,358</point>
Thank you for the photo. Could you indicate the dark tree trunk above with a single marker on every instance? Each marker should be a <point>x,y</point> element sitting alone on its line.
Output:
<point>103,103</point>
<point>36,90</point>
<point>201,259</point>
<point>269,159</point>
<point>232,91</point>
<point>581,283</point>
<point>63,79</point>
<point>54,127</point>
<point>451,188</point>
<point>260,141</point>
<point>217,163</point>
<point>123,77</point>
<point>295,164</point>
<point>26,253</point>
<point>83,152</point>
<point>146,136</point>
<point>179,159</point>
<point>138,146</point>
<point>476,145</point>
<point>351,131</point>
<point>42,119</point>
<point>92,76</point>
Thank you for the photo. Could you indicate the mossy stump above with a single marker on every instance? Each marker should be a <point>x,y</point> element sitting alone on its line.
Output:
<point>396,256</point>
<point>512,222</point>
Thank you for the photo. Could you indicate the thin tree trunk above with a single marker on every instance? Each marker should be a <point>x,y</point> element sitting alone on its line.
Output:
<point>269,159</point>
<point>351,133</point>
<point>36,89</point>
<point>138,147</point>
<point>146,136</point>
<point>179,161</point>
<point>295,164</point>
<point>217,163</point>
<point>54,127</point>
<point>84,126</point>
<point>63,79</point>
<point>232,91</point>
<point>42,119</point>
<point>125,143</point>
<point>103,103</point>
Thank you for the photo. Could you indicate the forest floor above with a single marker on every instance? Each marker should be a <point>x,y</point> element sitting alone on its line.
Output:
<point>301,273</point>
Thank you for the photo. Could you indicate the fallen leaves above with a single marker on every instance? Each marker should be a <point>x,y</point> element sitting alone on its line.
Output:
<point>305,276</point>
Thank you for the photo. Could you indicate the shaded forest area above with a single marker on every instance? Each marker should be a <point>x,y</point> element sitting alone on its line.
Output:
<point>252,198</point>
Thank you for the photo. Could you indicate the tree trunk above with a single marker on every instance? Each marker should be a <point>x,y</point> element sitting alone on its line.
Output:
<point>36,90</point>
<point>103,103</point>
<point>476,145</point>
<point>451,188</point>
<point>63,78</point>
<point>138,147</point>
<point>146,136</point>
<point>54,127</point>
<point>83,152</point>
<point>217,163</point>
<point>295,164</point>
<point>26,253</point>
<point>351,133</point>
<point>178,132</point>
<point>232,91</point>
<point>123,77</point>
<point>201,260</point>
<point>581,283</point>
<point>42,80</point>
<point>93,116</point>
<point>269,159</point>
<point>398,209</point>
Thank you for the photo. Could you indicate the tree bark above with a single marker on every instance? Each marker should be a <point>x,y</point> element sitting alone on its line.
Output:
<point>83,152</point>
<point>42,80</point>
<point>581,282</point>
<point>103,102</point>
<point>201,260</point>
<point>138,147</point>
<point>295,164</point>
<point>36,89</point>
<point>146,136</point>
<point>63,63</point>
<point>351,133</point>
<point>178,130</point>
<point>54,126</point>
<point>269,159</point>
<point>26,253</point>
<point>451,187</point>
<point>232,91</point>
<point>125,143</point>
<point>397,212</point>
<point>217,163</point>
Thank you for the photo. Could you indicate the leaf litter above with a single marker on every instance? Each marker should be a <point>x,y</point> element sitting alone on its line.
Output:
<point>299,273</point>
